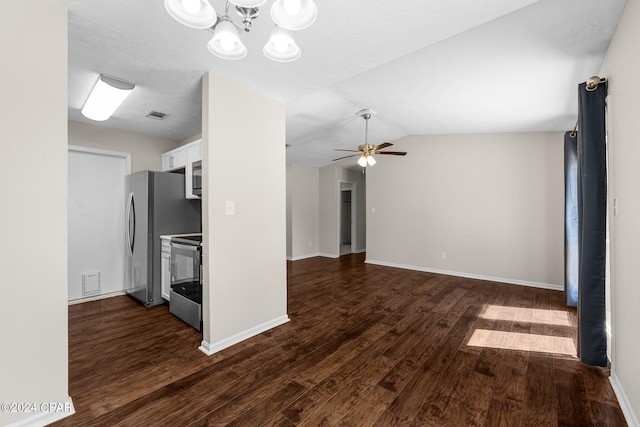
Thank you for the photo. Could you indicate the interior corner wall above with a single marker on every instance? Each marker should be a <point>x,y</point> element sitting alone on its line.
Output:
<point>304,222</point>
<point>289,226</point>
<point>146,150</point>
<point>329,181</point>
<point>328,217</point>
<point>244,213</point>
<point>622,68</point>
<point>33,306</point>
<point>482,205</point>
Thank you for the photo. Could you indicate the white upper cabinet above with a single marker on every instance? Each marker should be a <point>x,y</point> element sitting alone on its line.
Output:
<point>174,159</point>
<point>183,158</point>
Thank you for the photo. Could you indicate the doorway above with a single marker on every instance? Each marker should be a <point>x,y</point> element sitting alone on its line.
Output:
<point>96,222</point>
<point>348,218</point>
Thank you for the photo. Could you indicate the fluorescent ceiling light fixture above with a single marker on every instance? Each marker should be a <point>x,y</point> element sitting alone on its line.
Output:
<point>294,14</point>
<point>192,13</point>
<point>105,97</point>
<point>281,47</point>
<point>226,43</point>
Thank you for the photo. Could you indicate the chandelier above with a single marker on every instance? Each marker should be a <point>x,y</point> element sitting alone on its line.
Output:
<point>288,15</point>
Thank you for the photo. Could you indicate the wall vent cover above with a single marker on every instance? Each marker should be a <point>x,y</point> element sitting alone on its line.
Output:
<point>157,115</point>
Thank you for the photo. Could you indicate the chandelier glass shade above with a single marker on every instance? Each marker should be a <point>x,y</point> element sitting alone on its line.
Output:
<point>292,15</point>
<point>249,3</point>
<point>281,47</point>
<point>192,13</point>
<point>226,43</point>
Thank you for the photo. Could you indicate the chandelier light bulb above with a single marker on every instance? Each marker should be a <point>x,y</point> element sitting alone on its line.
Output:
<point>192,6</point>
<point>362,161</point>
<point>226,43</point>
<point>281,47</point>
<point>292,7</point>
<point>371,161</point>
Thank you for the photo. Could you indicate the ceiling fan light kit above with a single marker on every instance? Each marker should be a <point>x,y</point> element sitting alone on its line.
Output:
<point>366,150</point>
<point>292,15</point>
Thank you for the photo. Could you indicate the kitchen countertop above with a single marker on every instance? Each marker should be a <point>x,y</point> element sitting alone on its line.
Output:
<point>169,236</point>
<point>177,238</point>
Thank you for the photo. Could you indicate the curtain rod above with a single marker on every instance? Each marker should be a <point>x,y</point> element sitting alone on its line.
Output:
<point>590,85</point>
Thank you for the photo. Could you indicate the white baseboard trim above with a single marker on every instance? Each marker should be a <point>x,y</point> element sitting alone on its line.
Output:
<point>47,413</point>
<point>469,275</point>
<point>360,251</point>
<point>97,297</point>
<point>215,347</point>
<point>627,410</point>
<point>299,257</point>
<point>329,255</point>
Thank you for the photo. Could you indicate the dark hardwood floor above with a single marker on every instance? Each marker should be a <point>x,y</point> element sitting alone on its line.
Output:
<point>366,346</point>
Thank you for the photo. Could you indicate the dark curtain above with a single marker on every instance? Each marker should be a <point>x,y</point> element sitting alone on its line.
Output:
<point>592,211</point>
<point>571,243</point>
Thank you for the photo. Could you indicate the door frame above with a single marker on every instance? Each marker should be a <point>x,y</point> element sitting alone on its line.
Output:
<point>106,153</point>
<point>353,186</point>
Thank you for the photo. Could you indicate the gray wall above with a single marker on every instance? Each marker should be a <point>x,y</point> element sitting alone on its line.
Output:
<point>245,283</point>
<point>146,150</point>
<point>33,219</point>
<point>493,203</point>
<point>622,68</point>
<point>303,203</point>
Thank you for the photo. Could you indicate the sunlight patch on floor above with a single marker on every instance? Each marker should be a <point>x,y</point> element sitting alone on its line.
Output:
<point>530,315</point>
<point>525,342</point>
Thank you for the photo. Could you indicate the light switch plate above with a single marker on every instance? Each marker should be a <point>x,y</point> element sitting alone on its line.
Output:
<point>230,208</point>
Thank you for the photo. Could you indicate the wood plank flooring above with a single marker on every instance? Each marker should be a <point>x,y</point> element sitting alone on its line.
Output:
<point>366,346</point>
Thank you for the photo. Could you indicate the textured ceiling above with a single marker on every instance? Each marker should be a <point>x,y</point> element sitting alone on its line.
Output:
<point>424,67</point>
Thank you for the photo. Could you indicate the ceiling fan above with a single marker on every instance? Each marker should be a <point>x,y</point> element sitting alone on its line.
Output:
<point>366,150</point>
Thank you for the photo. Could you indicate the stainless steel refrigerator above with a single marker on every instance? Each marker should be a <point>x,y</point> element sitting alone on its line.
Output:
<point>155,206</point>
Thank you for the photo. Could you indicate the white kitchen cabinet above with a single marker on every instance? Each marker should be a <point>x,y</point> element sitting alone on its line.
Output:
<point>165,268</point>
<point>174,159</point>
<point>193,153</point>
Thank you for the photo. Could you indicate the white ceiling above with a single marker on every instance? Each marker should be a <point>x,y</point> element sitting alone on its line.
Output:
<point>424,67</point>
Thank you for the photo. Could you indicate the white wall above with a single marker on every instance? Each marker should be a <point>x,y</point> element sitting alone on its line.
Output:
<point>146,150</point>
<point>494,203</point>
<point>303,224</point>
<point>622,68</point>
<point>244,260</point>
<point>33,218</point>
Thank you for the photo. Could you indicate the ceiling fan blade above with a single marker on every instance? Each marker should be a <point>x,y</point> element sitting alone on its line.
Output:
<point>351,151</point>
<point>394,153</point>
<point>381,146</point>
<point>345,157</point>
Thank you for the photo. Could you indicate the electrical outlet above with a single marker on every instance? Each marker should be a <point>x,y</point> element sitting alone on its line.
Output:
<point>443,255</point>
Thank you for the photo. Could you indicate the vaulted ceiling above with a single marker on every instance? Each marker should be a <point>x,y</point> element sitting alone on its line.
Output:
<point>423,67</point>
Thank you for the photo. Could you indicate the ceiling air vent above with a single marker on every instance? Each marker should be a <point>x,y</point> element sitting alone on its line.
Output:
<point>157,115</point>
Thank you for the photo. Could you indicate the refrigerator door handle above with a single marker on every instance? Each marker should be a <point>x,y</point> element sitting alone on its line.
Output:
<point>131,225</point>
